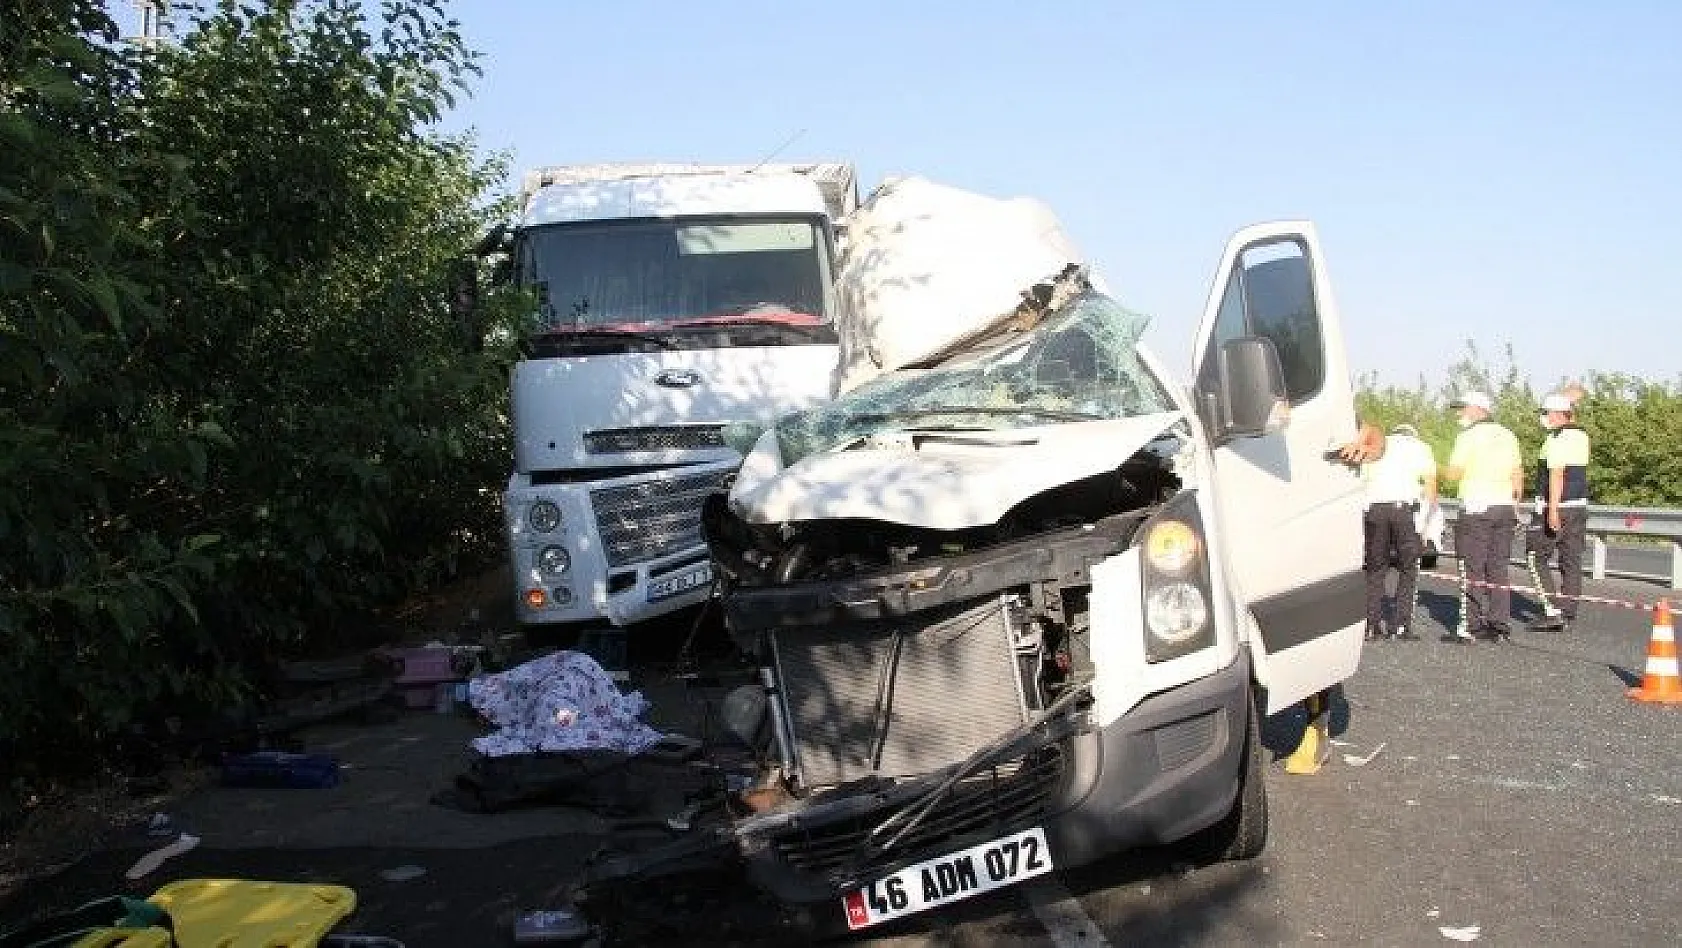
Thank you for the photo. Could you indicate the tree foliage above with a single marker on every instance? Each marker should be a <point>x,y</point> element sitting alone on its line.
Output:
<point>234,407</point>
<point>1634,425</point>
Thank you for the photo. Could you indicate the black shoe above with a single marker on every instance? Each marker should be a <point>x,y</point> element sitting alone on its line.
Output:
<point>1495,634</point>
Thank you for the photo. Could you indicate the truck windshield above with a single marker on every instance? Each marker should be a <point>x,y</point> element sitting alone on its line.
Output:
<point>1079,364</point>
<point>689,273</point>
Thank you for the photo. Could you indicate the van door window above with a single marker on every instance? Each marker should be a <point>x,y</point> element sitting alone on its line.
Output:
<point>1270,293</point>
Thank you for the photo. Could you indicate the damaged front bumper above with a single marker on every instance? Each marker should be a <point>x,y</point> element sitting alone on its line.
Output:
<point>1160,773</point>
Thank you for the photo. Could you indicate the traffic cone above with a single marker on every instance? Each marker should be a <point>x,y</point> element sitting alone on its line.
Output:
<point>1316,744</point>
<point>1660,684</point>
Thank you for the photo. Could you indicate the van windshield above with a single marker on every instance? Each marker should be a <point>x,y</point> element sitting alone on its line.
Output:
<point>1079,364</point>
<point>639,275</point>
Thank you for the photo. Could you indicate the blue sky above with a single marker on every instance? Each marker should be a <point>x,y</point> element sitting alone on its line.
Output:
<point>1504,172</point>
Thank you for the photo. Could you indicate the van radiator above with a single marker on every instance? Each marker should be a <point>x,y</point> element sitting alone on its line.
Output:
<point>952,689</point>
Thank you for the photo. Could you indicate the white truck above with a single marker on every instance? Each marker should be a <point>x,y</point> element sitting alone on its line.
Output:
<point>1020,602</point>
<point>675,301</point>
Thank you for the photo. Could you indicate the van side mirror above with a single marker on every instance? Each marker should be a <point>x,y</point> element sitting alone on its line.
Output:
<point>463,287</point>
<point>1252,395</point>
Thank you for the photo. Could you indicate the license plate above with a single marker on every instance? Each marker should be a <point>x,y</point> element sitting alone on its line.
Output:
<point>668,586</point>
<point>950,878</point>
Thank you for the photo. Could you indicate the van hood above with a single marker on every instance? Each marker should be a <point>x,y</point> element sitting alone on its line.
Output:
<point>936,479</point>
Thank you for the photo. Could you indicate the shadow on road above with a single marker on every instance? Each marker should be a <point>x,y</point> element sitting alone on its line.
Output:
<point>1154,897</point>
<point>1443,608</point>
<point>1630,678</point>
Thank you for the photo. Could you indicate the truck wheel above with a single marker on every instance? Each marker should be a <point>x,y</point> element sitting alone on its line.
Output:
<point>1242,833</point>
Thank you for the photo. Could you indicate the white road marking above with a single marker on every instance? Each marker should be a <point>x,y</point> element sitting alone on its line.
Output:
<point>1064,920</point>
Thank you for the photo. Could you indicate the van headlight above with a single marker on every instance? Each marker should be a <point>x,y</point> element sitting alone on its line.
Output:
<point>1175,613</point>
<point>1174,568</point>
<point>554,561</point>
<point>544,516</point>
<point>1171,546</point>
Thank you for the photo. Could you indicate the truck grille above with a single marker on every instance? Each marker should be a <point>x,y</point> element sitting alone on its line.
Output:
<point>953,689</point>
<point>639,522</point>
<point>667,438</point>
<point>1010,796</point>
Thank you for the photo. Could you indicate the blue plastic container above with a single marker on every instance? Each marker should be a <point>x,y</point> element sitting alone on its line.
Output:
<point>280,771</point>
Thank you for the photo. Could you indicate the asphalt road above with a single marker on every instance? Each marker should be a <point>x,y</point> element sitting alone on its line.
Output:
<point>1511,792</point>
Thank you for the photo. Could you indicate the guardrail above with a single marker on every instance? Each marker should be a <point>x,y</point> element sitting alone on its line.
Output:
<point>1655,522</point>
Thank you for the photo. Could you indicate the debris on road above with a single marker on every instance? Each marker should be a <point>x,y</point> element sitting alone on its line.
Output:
<point>278,770</point>
<point>1356,761</point>
<point>404,873</point>
<point>160,825</point>
<point>550,927</point>
<point>157,857</point>
<point>1469,933</point>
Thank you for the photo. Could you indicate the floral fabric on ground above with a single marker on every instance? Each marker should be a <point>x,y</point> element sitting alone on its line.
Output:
<point>560,702</point>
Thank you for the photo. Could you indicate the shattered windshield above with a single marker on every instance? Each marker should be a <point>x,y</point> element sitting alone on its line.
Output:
<point>1079,364</point>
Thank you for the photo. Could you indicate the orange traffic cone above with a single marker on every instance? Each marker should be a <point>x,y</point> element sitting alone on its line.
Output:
<point>1661,683</point>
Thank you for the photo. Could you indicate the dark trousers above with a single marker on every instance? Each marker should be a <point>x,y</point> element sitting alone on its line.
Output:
<point>1391,538</point>
<point>1541,545</point>
<point>1485,544</point>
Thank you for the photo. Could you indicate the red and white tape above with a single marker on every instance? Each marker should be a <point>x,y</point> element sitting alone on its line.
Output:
<point>1532,590</point>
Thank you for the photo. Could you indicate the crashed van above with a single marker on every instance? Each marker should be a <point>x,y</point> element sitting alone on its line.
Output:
<point>1019,599</point>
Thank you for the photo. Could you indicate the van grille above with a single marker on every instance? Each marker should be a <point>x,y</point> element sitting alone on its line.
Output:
<point>641,522</point>
<point>666,438</point>
<point>1010,796</point>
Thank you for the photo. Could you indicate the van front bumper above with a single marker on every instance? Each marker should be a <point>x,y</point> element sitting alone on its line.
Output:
<point>1161,772</point>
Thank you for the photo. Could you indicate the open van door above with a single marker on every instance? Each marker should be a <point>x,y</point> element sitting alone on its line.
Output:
<point>1290,513</point>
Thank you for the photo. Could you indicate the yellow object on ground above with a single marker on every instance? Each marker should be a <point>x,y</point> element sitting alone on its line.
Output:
<point>237,913</point>
<point>126,938</point>
<point>1316,745</point>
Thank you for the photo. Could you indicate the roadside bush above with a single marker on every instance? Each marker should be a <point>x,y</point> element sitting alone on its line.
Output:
<point>234,409</point>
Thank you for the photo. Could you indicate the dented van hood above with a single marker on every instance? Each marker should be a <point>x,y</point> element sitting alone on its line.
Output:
<point>937,479</point>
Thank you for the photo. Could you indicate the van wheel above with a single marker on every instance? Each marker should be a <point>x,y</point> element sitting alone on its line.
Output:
<point>1428,559</point>
<point>1242,833</point>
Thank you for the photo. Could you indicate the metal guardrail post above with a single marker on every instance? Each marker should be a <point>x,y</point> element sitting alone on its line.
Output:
<point>1597,556</point>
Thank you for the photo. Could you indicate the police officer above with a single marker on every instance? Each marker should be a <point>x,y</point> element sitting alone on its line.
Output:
<point>1486,462</point>
<point>1395,484</point>
<point>1560,521</point>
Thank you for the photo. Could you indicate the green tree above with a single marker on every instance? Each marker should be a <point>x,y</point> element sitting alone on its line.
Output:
<point>235,412</point>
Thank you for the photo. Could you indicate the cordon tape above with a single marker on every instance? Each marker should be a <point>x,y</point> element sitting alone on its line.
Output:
<point>1534,591</point>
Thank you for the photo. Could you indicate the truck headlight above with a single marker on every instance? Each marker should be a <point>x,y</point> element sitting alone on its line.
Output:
<point>1175,613</point>
<point>554,561</point>
<point>544,516</point>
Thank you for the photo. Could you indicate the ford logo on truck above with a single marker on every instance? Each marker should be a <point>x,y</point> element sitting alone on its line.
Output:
<point>677,378</point>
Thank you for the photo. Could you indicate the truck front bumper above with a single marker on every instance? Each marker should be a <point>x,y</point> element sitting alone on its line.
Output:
<point>596,585</point>
<point>1161,772</point>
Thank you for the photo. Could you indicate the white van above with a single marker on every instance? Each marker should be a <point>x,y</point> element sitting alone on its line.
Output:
<point>1021,601</point>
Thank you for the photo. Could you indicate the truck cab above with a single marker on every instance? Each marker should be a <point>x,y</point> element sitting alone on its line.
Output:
<point>674,302</point>
<point>1021,600</point>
